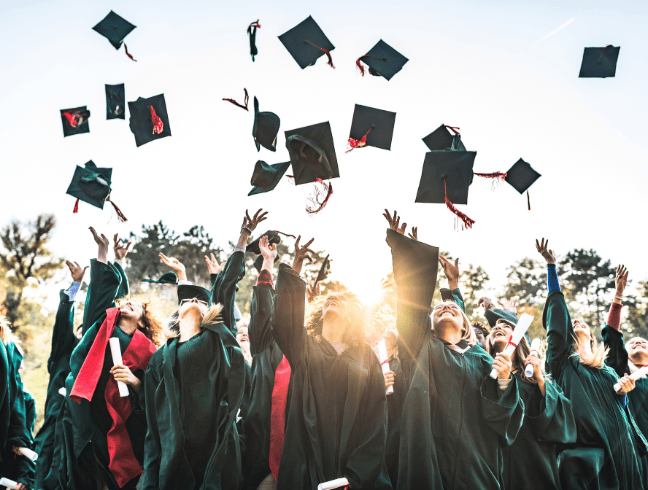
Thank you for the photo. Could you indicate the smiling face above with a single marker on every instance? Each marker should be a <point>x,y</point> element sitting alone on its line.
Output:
<point>131,310</point>
<point>501,334</point>
<point>448,315</point>
<point>637,350</point>
<point>336,306</point>
<point>192,307</point>
<point>242,334</point>
<point>582,330</point>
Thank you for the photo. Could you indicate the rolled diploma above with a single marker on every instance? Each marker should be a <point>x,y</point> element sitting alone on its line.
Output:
<point>330,485</point>
<point>6,482</point>
<point>117,359</point>
<point>520,329</point>
<point>382,354</point>
<point>535,347</point>
<point>639,373</point>
<point>62,391</point>
<point>28,453</point>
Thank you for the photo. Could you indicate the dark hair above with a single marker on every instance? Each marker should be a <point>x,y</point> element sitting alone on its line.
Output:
<point>522,351</point>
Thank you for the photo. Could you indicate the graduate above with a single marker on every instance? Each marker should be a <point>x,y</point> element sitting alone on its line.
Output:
<point>456,418</point>
<point>108,430</point>
<point>58,365</point>
<point>626,358</point>
<point>531,461</point>
<point>14,430</point>
<point>270,387</point>
<point>605,454</point>
<point>195,385</point>
<point>336,426</point>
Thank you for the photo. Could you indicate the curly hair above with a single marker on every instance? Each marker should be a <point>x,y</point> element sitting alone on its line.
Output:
<point>357,319</point>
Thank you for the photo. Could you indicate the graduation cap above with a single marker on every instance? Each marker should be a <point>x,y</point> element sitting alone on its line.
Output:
<point>599,62</point>
<point>442,139</point>
<point>75,121</point>
<point>371,127</point>
<point>115,101</point>
<point>498,314</point>
<point>312,153</point>
<point>266,177</point>
<point>115,29</point>
<point>91,184</point>
<point>251,30</point>
<point>383,61</point>
<point>521,176</point>
<point>273,239</point>
<point>191,291</point>
<point>323,272</point>
<point>306,42</point>
<point>166,278</point>
<point>149,119</point>
<point>265,129</point>
<point>446,177</point>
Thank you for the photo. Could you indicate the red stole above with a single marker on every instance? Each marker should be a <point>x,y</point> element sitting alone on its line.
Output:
<point>123,464</point>
<point>278,415</point>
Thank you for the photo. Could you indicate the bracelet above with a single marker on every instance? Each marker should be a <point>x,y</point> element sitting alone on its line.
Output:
<point>246,229</point>
<point>618,297</point>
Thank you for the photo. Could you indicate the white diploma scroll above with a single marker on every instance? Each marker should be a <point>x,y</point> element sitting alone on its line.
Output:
<point>330,485</point>
<point>639,373</point>
<point>62,391</point>
<point>28,453</point>
<point>117,359</point>
<point>382,354</point>
<point>6,482</point>
<point>520,329</point>
<point>535,347</point>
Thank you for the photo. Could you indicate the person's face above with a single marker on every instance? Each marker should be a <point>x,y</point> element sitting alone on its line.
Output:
<point>637,349</point>
<point>242,334</point>
<point>501,334</point>
<point>391,339</point>
<point>581,329</point>
<point>131,310</point>
<point>448,313</point>
<point>336,305</point>
<point>192,307</point>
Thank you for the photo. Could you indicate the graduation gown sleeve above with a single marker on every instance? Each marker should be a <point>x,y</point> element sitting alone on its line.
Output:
<point>63,339</point>
<point>550,417</point>
<point>152,443</point>
<point>225,285</point>
<point>106,284</point>
<point>288,320</point>
<point>560,332</point>
<point>260,326</point>
<point>503,412</point>
<point>453,295</point>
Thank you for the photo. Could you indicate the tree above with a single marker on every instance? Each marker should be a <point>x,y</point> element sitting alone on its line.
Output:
<point>526,280</point>
<point>473,280</point>
<point>24,255</point>
<point>637,321</point>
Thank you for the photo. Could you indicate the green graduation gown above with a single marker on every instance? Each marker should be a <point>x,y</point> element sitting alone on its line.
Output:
<point>337,423</point>
<point>193,392</point>
<point>603,456</point>
<point>58,366</point>
<point>395,403</point>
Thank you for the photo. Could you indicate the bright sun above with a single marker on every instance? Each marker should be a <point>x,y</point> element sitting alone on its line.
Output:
<point>369,294</point>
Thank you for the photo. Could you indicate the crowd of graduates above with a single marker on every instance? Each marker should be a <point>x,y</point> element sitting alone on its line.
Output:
<point>307,396</point>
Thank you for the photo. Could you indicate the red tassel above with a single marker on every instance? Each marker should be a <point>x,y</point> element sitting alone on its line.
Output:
<point>320,197</point>
<point>128,54</point>
<point>254,24</point>
<point>158,125</point>
<point>76,207</point>
<point>359,64</point>
<point>285,234</point>
<point>73,119</point>
<point>454,130</point>
<point>326,52</point>
<point>246,100</point>
<point>354,143</point>
<point>120,215</point>
<point>467,222</point>
<point>498,177</point>
<point>528,201</point>
<point>601,57</point>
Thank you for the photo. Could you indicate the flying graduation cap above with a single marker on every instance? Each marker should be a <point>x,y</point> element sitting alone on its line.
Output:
<point>91,184</point>
<point>265,129</point>
<point>115,101</point>
<point>306,42</point>
<point>521,176</point>
<point>371,127</point>
<point>251,30</point>
<point>149,119</point>
<point>166,278</point>
<point>273,239</point>
<point>599,62</point>
<point>266,177</point>
<point>115,29</point>
<point>444,138</point>
<point>75,121</point>
<point>382,60</point>
<point>323,272</point>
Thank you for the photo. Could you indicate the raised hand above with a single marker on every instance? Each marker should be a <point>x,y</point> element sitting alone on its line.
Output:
<point>268,250</point>
<point>251,223</point>
<point>104,243</point>
<point>301,253</point>
<point>213,265</point>
<point>313,293</point>
<point>502,364</point>
<point>451,271</point>
<point>414,234</point>
<point>119,249</point>
<point>509,305</point>
<point>175,265</point>
<point>486,303</point>
<point>394,222</point>
<point>542,248</point>
<point>621,280</point>
<point>76,270</point>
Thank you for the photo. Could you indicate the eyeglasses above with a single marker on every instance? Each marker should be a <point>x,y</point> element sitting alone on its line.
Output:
<point>193,300</point>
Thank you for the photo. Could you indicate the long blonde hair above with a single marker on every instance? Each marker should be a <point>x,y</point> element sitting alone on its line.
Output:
<point>598,352</point>
<point>172,326</point>
<point>467,332</point>
<point>5,329</point>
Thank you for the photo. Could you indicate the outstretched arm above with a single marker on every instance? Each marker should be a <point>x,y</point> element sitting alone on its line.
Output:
<point>260,326</point>
<point>451,271</point>
<point>612,337</point>
<point>288,319</point>
<point>63,339</point>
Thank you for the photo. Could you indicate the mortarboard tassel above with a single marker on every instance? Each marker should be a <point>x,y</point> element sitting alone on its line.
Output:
<point>246,100</point>
<point>361,68</point>
<point>128,54</point>
<point>498,177</point>
<point>454,130</point>
<point>251,30</point>
<point>354,143</point>
<point>528,201</point>
<point>285,234</point>
<point>601,57</point>
<point>326,52</point>
<point>120,215</point>
<point>74,119</point>
<point>467,222</point>
<point>76,207</point>
<point>158,125</point>
<point>320,197</point>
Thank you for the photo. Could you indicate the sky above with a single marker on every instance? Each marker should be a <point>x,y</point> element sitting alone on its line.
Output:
<point>505,72</point>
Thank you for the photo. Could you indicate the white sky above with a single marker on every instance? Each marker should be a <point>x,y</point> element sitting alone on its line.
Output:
<point>487,67</point>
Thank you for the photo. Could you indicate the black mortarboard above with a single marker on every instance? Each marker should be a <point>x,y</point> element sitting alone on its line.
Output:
<point>498,314</point>
<point>115,101</point>
<point>306,42</point>
<point>251,30</point>
<point>191,291</point>
<point>442,139</point>
<point>446,172</point>
<point>166,278</point>
<point>323,272</point>
<point>149,119</point>
<point>91,184</point>
<point>75,121</point>
<point>312,153</point>
<point>273,238</point>
<point>266,177</point>
<point>258,262</point>
<point>599,62</point>
<point>383,60</point>
<point>521,176</point>
<point>265,129</point>
<point>377,125</point>
<point>114,28</point>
